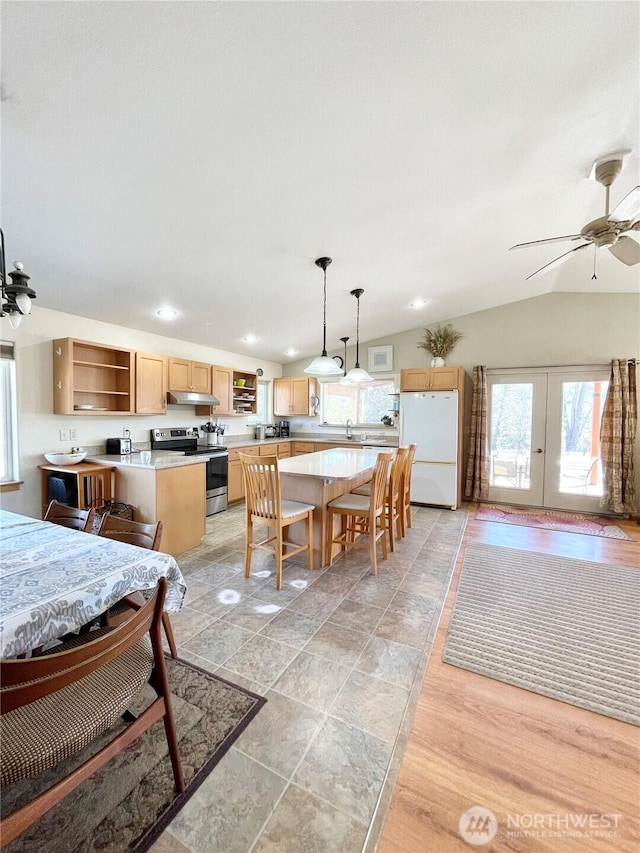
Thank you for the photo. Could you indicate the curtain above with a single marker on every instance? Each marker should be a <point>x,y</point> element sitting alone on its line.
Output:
<point>617,437</point>
<point>477,481</point>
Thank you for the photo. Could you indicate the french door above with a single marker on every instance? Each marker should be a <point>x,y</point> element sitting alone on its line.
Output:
<point>544,437</point>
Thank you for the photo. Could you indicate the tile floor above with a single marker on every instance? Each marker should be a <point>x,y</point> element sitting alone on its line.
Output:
<point>340,656</point>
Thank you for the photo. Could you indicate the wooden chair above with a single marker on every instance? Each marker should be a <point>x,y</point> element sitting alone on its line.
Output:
<point>54,705</point>
<point>70,516</point>
<point>144,536</point>
<point>394,500</point>
<point>361,514</point>
<point>264,504</point>
<point>406,489</point>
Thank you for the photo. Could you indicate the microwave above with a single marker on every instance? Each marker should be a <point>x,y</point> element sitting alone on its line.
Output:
<point>118,446</point>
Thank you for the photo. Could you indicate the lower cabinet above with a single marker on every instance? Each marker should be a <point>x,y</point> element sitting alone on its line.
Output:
<point>235,483</point>
<point>300,447</point>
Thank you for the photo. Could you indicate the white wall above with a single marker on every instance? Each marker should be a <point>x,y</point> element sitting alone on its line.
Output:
<point>39,428</point>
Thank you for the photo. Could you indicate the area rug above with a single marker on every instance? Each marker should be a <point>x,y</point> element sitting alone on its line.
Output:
<point>565,628</point>
<point>127,804</point>
<point>567,522</point>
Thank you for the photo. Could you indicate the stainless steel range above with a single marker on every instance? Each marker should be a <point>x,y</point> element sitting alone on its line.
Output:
<point>185,440</point>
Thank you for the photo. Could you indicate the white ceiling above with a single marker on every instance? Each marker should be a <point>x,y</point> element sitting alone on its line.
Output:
<point>203,154</point>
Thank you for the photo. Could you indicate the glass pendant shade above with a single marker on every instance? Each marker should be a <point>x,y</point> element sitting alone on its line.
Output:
<point>15,318</point>
<point>357,374</point>
<point>323,365</point>
<point>24,303</point>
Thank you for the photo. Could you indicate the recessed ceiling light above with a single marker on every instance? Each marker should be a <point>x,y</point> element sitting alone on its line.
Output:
<point>167,313</point>
<point>250,339</point>
<point>291,351</point>
<point>418,303</point>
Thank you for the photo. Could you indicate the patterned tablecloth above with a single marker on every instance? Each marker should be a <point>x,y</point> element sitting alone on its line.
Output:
<point>54,580</point>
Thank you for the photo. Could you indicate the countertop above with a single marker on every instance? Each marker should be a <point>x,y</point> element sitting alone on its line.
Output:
<point>339,463</point>
<point>159,459</point>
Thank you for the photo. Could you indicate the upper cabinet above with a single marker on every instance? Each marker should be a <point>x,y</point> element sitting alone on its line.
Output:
<point>92,378</point>
<point>151,384</point>
<point>245,393</point>
<point>221,387</point>
<point>190,376</point>
<point>292,395</point>
<point>432,379</point>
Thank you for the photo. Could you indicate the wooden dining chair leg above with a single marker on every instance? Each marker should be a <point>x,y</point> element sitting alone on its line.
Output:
<point>383,538</point>
<point>373,545</point>
<point>160,683</point>
<point>166,624</point>
<point>279,557</point>
<point>390,528</point>
<point>309,532</point>
<point>249,550</point>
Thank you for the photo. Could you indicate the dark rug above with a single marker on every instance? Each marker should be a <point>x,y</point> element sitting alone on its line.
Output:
<point>561,627</point>
<point>127,804</point>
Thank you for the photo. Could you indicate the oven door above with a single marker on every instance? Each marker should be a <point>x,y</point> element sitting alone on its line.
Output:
<point>216,483</point>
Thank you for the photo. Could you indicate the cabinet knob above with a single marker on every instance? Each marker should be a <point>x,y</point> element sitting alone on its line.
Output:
<point>59,384</point>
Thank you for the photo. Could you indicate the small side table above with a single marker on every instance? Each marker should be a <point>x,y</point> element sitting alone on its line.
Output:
<point>93,482</point>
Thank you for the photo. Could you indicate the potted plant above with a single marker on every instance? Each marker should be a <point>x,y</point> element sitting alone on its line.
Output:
<point>440,341</point>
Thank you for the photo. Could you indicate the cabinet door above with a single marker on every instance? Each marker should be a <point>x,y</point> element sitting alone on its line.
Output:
<point>179,375</point>
<point>282,396</point>
<point>221,388</point>
<point>200,377</point>
<point>444,378</point>
<point>235,484</point>
<point>415,379</point>
<point>300,396</point>
<point>301,447</point>
<point>151,384</point>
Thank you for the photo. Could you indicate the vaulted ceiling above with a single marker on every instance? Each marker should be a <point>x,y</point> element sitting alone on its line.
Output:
<point>202,155</point>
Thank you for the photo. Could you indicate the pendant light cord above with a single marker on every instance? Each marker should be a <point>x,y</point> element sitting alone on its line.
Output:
<point>358,334</point>
<point>324,316</point>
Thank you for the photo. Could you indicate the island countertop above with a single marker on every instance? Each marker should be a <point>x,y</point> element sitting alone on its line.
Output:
<point>339,463</point>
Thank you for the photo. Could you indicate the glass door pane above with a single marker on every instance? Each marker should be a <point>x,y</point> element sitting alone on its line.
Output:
<point>573,479</point>
<point>516,438</point>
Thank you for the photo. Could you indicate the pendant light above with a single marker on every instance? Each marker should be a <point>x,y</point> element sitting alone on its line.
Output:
<point>323,365</point>
<point>17,293</point>
<point>357,374</point>
<point>344,363</point>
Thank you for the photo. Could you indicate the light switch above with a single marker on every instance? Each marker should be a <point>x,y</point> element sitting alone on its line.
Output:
<point>73,435</point>
<point>64,435</point>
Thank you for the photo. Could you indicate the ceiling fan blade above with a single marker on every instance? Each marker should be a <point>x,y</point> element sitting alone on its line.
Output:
<point>626,250</point>
<point>552,264</point>
<point>629,208</point>
<point>549,240</point>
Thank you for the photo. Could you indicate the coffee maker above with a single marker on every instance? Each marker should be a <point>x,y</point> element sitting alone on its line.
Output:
<point>283,428</point>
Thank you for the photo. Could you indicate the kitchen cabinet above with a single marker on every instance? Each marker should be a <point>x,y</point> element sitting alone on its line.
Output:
<point>191,376</point>
<point>329,446</point>
<point>292,395</point>
<point>151,384</point>
<point>235,480</point>
<point>245,392</point>
<point>91,378</point>
<point>432,379</point>
<point>221,387</point>
<point>300,447</point>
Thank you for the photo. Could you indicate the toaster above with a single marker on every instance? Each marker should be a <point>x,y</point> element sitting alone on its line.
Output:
<point>118,446</point>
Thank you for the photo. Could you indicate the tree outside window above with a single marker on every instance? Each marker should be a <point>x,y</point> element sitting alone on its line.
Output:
<point>364,404</point>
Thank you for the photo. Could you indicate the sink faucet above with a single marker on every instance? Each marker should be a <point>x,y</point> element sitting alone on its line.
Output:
<point>349,425</point>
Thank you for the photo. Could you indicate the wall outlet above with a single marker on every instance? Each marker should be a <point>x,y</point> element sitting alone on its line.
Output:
<point>64,435</point>
<point>73,435</point>
<point>126,433</point>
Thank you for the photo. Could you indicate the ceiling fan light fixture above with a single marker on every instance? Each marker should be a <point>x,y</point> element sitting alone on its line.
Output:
<point>322,365</point>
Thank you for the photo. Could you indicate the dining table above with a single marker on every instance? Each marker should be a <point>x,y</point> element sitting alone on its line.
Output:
<point>54,580</point>
<point>318,478</point>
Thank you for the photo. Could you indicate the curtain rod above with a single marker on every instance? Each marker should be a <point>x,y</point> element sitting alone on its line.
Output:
<point>562,366</point>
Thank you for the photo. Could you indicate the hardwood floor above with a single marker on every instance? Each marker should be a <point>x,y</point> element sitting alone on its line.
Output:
<point>476,741</point>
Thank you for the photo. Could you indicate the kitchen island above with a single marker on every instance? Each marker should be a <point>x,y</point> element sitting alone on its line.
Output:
<point>318,478</point>
<point>170,488</point>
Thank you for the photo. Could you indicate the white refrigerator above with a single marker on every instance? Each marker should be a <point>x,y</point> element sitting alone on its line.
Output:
<point>430,420</point>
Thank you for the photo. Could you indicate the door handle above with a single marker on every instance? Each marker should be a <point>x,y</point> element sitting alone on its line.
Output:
<point>539,450</point>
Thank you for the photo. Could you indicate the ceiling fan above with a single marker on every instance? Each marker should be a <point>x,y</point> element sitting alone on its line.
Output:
<point>606,232</point>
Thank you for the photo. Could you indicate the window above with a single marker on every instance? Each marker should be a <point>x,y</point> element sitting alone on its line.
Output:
<point>9,418</point>
<point>364,404</point>
<point>262,407</point>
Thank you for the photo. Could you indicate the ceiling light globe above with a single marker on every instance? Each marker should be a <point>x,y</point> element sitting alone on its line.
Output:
<point>15,319</point>
<point>24,303</point>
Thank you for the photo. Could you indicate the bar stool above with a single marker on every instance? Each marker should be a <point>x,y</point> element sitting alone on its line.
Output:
<point>394,500</point>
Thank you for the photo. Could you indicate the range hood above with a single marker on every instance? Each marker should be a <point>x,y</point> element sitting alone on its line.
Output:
<point>187,398</point>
